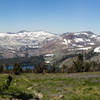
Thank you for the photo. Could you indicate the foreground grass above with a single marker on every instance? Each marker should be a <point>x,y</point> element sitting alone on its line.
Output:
<point>82,86</point>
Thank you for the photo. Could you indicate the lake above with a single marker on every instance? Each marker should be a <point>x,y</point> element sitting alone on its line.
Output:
<point>23,67</point>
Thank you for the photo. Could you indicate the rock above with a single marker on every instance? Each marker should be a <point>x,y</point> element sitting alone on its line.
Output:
<point>32,99</point>
<point>40,95</point>
<point>4,99</point>
<point>61,97</point>
<point>29,88</point>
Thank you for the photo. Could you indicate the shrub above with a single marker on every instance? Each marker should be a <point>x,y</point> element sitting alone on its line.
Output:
<point>17,69</point>
<point>1,68</point>
<point>39,68</point>
<point>78,65</point>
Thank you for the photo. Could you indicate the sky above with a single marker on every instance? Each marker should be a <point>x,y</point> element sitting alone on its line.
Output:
<point>56,16</point>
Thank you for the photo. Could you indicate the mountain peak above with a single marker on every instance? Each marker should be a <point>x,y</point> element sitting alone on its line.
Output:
<point>22,31</point>
<point>89,32</point>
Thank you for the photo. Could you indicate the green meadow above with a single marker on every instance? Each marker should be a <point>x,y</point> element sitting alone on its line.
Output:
<point>58,86</point>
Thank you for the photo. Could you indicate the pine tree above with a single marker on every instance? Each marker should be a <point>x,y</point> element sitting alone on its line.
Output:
<point>78,65</point>
<point>1,68</point>
<point>17,69</point>
<point>7,67</point>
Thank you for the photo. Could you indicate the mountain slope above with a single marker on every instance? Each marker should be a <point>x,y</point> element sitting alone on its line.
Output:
<point>27,43</point>
<point>74,40</point>
<point>31,39</point>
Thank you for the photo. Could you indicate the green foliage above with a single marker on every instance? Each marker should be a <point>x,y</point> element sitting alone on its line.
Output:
<point>52,68</point>
<point>7,84</point>
<point>45,68</point>
<point>27,70</point>
<point>87,66</point>
<point>23,60</point>
<point>1,68</point>
<point>94,66</point>
<point>81,65</point>
<point>58,86</point>
<point>64,69</point>
<point>17,69</point>
<point>7,65</point>
<point>80,57</point>
<point>39,68</point>
<point>7,91</point>
<point>78,65</point>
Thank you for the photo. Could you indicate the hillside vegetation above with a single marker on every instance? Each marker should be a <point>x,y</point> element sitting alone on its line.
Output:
<point>81,86</point>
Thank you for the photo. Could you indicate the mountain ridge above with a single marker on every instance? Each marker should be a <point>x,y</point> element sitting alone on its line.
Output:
<point>43,42</point>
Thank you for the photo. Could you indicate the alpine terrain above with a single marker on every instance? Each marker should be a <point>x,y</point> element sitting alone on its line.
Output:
<point>27,43</point>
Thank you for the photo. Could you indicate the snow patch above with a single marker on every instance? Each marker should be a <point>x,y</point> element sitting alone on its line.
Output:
<point>79,40</point>
<point>91,43</point>
<point>85,48</point>
<point>93,36</point>
<point>66,42</point>
<point>79,33</point>
<point>97,49</point>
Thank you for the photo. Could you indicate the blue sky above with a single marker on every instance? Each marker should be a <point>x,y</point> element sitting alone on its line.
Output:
<point>57,16</point>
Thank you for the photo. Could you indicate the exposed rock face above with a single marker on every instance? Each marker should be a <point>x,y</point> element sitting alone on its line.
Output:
<point>26,43</point>
<point>73,40</point>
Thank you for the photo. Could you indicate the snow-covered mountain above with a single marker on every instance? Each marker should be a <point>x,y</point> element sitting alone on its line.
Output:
<point>74,40</point>
<point>80,39</point>
<point>23,38</point>
<point>41,42</point>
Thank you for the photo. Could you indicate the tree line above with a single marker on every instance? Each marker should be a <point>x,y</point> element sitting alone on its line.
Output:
<point>78,65</point>
<point>81,65</point>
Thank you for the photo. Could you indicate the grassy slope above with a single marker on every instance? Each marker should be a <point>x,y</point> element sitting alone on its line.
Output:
<point>82,86</point>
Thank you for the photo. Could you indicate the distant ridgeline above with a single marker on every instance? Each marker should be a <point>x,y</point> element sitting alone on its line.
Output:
<point>23,60</point>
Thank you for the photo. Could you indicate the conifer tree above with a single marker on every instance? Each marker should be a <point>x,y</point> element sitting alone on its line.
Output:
<point>1,68</point>
<point>17,69</point>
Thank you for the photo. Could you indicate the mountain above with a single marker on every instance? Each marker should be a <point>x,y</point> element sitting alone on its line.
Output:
<point>23,38</point>
<point>27,43</point>
<point>80,39</point>
<point>23,43</point>
<point>84,40</point>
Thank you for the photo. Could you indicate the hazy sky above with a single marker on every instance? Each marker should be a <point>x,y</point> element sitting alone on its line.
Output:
<point>56,16</point>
